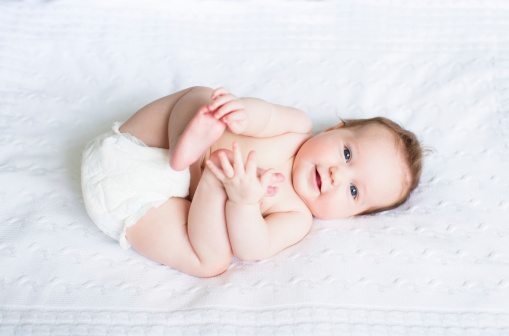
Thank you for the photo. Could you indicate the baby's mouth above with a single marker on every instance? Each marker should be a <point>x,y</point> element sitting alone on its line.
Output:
<point>318,180</point>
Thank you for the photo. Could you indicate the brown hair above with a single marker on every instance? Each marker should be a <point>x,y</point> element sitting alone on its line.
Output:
<point>411,151</point>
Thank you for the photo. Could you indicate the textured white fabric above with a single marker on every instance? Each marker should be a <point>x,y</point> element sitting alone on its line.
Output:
<point>122,178</point>
<point>438,265</point>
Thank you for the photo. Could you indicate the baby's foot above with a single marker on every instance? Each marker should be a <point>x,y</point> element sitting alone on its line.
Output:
<point>201,132</point>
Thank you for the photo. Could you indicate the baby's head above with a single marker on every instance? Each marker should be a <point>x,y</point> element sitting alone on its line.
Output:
<point>357,167</point>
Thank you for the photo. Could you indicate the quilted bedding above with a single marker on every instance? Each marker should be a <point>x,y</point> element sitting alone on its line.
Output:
<point>438,265</point>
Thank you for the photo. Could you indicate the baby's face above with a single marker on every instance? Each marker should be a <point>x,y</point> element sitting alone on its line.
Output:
<point>346,171</point>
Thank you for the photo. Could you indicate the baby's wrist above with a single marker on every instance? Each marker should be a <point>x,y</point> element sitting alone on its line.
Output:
<point>210,179</point>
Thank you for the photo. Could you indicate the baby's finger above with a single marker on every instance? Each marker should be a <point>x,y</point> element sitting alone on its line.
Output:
<point>278,178</point>
<point>204,109</point>
<point>216,171</point>
<point>266,178</point>
<point>218,92</point>
<point>228,108</point>
<point>251,168</point>
<point>228,170</point>
<point>275,177</point>
<point>235,115</point>
<point>220,101</point>
<point>238,164</point>
<point>271,191</point>
<point>234,126</point>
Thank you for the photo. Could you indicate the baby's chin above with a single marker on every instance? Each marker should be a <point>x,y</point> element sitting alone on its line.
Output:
<point>326,214</point>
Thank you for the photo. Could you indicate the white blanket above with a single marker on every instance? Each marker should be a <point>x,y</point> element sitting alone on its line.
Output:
<point>438,265</point>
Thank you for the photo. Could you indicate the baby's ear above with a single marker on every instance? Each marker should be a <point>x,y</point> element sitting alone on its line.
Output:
<point>341,124</point>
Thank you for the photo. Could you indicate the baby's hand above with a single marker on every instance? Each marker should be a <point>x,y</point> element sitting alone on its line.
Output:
<point>242,183</point>
<point>229,109</point>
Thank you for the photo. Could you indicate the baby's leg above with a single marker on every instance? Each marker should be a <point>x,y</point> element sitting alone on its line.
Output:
<point>150,123</point>
<point>191,238</point>
<point>200,133</point>
<point>177,122</point>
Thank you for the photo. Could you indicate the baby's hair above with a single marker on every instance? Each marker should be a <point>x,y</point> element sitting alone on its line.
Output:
<point>411,150</point>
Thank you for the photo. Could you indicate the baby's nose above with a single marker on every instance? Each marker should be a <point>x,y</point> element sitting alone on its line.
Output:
<point>335,175</point>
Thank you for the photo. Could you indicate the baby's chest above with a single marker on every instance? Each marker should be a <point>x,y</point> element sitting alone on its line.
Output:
<point>285,200</point>
<point>273,152</point>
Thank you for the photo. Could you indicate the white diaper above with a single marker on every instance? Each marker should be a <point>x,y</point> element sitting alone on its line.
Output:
<point>122,178</point>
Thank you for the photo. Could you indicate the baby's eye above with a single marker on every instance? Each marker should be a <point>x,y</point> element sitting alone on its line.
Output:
<point>347,154</point>
<point>353,191</point>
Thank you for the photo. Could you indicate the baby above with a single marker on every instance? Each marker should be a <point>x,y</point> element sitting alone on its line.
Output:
<point>200,176</point>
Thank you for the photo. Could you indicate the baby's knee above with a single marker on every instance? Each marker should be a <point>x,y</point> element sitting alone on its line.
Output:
<point>201,91</point>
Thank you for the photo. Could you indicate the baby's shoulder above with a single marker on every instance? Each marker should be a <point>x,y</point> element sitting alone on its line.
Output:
<point>284,146</point>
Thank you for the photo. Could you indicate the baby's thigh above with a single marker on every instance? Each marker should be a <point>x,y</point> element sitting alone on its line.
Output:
<point>160,123</point>
<point>150,123</point>
<point>161,234</point>
<point>185,109</point>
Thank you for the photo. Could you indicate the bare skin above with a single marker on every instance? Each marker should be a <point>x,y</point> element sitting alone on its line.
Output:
<point>191,234</point>
<point>201,133</point>
<point>163,234</point>
<point>250,192</point>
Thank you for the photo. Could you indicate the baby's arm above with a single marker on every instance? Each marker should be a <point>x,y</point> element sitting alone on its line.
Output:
<point>252,236</point>
<point>256,117</point>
